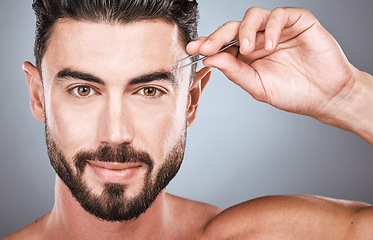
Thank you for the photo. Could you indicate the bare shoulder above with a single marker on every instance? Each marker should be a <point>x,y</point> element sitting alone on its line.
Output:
<point>361,225</point>
<point>191,208</point>
<point>32,231</point>
<point>291,217</point>
<point>192,216</point>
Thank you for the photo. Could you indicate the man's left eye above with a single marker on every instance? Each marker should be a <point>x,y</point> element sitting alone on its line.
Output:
<point>151,92</point>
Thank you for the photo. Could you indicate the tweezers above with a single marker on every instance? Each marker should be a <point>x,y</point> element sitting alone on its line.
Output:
<point>228,45</point>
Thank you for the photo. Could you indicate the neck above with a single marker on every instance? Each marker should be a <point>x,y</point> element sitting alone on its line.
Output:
<point>70,221</point>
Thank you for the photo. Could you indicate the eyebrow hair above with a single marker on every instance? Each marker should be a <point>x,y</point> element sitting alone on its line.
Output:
<point>154,76</point>
<point>70,73</point>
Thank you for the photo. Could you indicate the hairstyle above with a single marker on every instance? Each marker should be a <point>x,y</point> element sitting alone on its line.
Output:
<point>184,13</point>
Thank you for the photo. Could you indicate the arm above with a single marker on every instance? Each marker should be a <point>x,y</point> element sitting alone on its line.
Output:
<point>293,217</point>
<point>287,59</point>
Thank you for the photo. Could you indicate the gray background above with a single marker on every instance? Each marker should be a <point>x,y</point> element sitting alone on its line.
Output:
<point>238,149</point>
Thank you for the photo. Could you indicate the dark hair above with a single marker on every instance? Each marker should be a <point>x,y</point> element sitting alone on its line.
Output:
<point>184,13</point>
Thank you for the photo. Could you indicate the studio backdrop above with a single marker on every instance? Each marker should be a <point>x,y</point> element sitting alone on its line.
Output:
<point>237,149</point>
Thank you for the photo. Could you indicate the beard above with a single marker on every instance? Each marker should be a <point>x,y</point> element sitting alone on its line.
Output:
<point>113,204</point>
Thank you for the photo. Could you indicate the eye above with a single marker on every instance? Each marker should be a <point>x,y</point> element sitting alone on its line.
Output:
<point>82,91</point>
<point>151,92</point>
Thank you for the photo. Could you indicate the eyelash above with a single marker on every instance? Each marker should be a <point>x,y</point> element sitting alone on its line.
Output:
<point>74,91</point>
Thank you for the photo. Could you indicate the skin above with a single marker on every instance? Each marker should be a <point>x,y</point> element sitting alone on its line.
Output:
<point>295,65</point>
<point>114,112</point>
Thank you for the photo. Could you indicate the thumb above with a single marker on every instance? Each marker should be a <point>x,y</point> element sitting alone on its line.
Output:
<point>238,72</point>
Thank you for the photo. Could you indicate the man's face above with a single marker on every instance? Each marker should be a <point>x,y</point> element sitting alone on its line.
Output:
<point>115,115</point>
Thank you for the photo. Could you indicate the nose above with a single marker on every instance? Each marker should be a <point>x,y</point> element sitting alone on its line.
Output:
<point>115,125</point>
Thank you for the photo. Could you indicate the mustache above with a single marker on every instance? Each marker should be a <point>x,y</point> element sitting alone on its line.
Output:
<point>121,154</point>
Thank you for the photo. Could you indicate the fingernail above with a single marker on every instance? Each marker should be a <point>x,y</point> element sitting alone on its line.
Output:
<point>245,44</point>
<point>269,44</point>
<point>205,46</point>
<point>207,42</point>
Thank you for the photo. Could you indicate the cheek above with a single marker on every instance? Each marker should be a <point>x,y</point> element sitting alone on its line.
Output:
<point>160,129</point>
<point>72,129</point>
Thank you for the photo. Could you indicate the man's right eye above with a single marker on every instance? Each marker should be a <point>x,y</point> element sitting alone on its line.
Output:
<point>82,91</point>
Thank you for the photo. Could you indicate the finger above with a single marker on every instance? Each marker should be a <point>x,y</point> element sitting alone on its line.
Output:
<point>285,24</point>
<point>257,53</point>
<point>239,73</point>
<point>255,20</point>
<point>193,47</point>
<point>222,36</point>
<point>277,21</point>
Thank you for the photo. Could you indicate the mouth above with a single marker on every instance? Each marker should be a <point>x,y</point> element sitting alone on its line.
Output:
<point>113,172</point>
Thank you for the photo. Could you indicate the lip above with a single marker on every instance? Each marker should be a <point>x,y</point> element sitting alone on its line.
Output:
<point>110,172</point>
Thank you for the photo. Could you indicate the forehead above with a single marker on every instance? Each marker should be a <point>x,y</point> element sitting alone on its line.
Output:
<point>100,48</point>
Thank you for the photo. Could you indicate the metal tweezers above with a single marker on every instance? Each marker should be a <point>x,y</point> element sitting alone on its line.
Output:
<point>228,45</point>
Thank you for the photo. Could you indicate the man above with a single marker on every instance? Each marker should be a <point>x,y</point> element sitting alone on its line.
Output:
<point>116,113</point>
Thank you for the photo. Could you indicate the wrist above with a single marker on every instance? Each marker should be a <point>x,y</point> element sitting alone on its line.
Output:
<point>354,111</point>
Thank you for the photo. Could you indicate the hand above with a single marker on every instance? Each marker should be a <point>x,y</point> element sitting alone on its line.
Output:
<point>285,58</point>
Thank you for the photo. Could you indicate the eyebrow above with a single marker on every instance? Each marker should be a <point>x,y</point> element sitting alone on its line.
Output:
<point>70,73</point>
<point>153,76</point>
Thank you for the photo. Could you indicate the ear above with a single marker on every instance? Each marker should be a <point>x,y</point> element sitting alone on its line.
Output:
<point>200,81</point>
<point>35,86</point>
